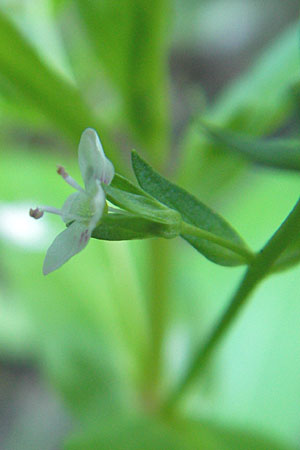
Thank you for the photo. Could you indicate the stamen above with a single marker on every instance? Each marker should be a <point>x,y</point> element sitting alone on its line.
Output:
<point>51,209</point>
<point>61,171</point>
<point>36,213</point>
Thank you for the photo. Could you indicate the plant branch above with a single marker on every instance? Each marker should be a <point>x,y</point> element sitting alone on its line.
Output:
<point>256,272</point>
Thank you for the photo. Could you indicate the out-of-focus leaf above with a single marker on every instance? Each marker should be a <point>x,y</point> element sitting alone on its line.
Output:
<point>57,5</point>
<point>37,84</point>
<point>260,100</point>
<point>119,434</point>
<point>255,103</point>
<point>279,153</point>
<point>289,258</point>
<point>120,227</point>
<point>153,435</point>
<point>129,38</point>
<point>214,437</point>
<point>192,211</point>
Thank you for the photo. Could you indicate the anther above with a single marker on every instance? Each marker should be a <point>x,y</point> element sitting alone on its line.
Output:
<point>36,213</point>
<point>62,172</point>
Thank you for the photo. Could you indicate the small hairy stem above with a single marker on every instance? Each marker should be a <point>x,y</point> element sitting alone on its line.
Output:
<point>195,231</point>
<point>256,272</point>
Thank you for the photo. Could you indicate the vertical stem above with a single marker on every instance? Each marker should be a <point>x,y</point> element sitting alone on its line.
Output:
<point>256,272</point>
<point>158,305</point>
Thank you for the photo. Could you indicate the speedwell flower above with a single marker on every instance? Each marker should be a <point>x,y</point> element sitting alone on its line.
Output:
<point>83,209</point>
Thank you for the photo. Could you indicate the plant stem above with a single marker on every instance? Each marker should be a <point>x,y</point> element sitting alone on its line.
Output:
<point>259,268</point>
<point>158,302</point>
<point>195,231</point>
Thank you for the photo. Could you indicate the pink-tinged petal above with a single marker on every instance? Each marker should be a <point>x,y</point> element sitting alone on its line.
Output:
<point>65,245</point>
<point>92,160</point>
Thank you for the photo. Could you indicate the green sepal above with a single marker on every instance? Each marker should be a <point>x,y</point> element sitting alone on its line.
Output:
<point>123,184</point>
<point>193,212</point>
<point>147,208</point>
<point>126,226</point>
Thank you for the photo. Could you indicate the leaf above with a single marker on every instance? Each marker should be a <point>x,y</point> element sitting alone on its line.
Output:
<point>289,258</point>
<point>120,227</point>
<point>149,434</point>
<point>260,99</point>
<point>147,208</point>
<point>120,434</point>
<point>129,39</point>
<point>192,211</point>
<point>37,84</point>
<point>278,153</point>
<point>256,102</point>
<point>214,436</point>
<point>57,5</point>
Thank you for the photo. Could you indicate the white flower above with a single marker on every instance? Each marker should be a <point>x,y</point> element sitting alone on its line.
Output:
<point>83,208</point>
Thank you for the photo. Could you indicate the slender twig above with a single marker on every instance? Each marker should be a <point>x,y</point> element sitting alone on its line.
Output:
<point>256,272</point>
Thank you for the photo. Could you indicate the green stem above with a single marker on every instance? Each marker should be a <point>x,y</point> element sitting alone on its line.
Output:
<point>257,271</point>
<point>195,231</point>
<point>158,303</point>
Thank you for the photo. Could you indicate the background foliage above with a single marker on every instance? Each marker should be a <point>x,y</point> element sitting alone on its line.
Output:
<point>89,353</point>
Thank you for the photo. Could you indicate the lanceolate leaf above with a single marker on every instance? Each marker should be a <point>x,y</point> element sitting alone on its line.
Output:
<point>279,153</point>
<point>36,84</point>
<point>192,211</point>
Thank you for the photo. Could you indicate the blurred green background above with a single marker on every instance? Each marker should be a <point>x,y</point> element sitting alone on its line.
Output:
<point>88,353</point>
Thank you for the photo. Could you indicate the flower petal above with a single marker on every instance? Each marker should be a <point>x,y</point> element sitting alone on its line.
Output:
<point>65,245</point>
<point>69,209</point>
<point>92,160</point>
<point>83,207</point>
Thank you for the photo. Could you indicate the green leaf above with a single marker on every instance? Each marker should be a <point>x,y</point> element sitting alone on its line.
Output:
<point>289,258</point>
<point>279,153</point>
<point>212,436</point>
<point>129,39</point>
<point>260,99</point>
<point>38,85</point>
<point>151,434</point>
<point>57,5</point>
<point>120,434</point>
<point>256,102</point>
<point>126,226</point>
<point>147,208</point>
<point>192,211</point>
